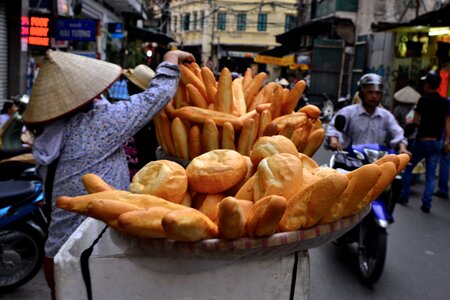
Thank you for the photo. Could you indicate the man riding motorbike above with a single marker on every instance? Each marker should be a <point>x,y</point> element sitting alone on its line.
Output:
<point>367,122</point>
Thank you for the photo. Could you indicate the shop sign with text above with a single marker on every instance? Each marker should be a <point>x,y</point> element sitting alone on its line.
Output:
<point>76,30</point>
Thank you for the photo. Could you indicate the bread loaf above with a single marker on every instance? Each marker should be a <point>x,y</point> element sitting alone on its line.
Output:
<point>161,178</point>
<point>309,205</point>
<point>268,145</point>
<point>94,183</point>
<point>232,217</point>
<point>216,171</point>
<point>263,217</point>
<point>144,223</point>
<point>280,174</point>
<point>188,225</point>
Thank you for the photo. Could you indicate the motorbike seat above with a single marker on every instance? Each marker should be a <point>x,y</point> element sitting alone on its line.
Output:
<point>13,192</point>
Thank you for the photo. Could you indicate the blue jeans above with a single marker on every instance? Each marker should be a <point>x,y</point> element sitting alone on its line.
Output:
<point>430,150</point>
<point>444,168</point>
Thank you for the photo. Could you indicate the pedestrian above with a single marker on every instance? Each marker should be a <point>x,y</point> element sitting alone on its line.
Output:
<point>72,138</point>
<point>431,119</point>
<point>141,148</point>
<point>444,168</point>
<point>367,122</point>
<point>8,110</point>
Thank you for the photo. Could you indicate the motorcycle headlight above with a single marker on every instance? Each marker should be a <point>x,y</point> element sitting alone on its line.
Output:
<point>373,155</point>
<point>359,155</point>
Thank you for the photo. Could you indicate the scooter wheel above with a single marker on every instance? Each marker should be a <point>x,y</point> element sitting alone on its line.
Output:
<point>21,256</point>
<point>372,247</point>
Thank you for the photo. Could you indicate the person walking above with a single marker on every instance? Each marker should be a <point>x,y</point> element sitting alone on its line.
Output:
<point>431,119</point>
<point>73,138</point>
<point>444,168</point>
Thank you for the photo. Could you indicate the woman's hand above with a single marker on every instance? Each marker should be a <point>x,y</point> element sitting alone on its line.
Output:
<point>178,57</point>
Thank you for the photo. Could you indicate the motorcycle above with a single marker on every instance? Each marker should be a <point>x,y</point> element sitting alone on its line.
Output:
<point>330,105</point>
<point>23,223</point>
<point>370,234</point>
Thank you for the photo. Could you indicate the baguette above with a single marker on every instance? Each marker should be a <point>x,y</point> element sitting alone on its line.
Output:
<point>167,134</point>
<point>180,138</point>
<point>248,77</point>
<point>187,76</point>
<point>246,190</point>
<point>159,133</point>
<point>195,98</point>
<point>264,96</point>
<point>232,217</point>
<point>228,137</point>
<point>181,98</point>
<point>200,115</point>
<point>292,98</point>
<point>264,120</point>
<point>311,111</point>
<point>315,139</point>
<point>109,211</point>
<point>188,225</point>
<point>246,137</point>
<point>239,105</point>
<point>144,223</point>
<point>195,142</point>
<point>208,204</point>
<point>404,160</point>
<point>276,102</point>
<point>309,205</point>
<point>94,183</point>
<point>253,88</point>
<point>264,216</point>
<point>389,171</point>
<point>210,136</point>
<point>224,96</point>
<point>210,83</point>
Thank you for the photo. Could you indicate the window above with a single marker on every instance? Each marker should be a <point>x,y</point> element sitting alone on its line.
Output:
<point>241,22</point>
<point>195,21</point>
<point>187,19</point>
<point>175,23</point>
<point>262,22</point>
<point>221,21</point>
<point>181,22</point>
<point>290,22</point>
<point>202,19</point>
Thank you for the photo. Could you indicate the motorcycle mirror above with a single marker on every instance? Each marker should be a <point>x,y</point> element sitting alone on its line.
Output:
<point>339,122</point>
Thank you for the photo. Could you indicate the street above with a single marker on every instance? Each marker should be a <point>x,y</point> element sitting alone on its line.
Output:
<point>417,263</point>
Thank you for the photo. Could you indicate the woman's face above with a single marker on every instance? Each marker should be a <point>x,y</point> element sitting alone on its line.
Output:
<point>12,110</point>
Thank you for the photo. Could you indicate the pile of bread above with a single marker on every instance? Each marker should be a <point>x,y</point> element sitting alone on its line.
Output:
<point>224,194</point>
<point>206,114</point>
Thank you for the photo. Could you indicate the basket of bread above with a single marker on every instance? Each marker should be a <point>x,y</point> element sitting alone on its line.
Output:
<point>224,200</point>
<point>208,114</point>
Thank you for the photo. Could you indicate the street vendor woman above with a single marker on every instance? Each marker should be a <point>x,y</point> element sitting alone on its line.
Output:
<point>74,138</point>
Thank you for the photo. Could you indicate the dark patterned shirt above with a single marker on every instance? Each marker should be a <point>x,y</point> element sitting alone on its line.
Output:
<point>93,143</point>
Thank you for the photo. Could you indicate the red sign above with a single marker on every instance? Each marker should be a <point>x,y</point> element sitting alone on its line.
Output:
<point>35,30</point>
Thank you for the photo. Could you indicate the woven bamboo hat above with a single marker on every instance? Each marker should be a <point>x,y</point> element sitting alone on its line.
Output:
<point>65,82</point>
<point>407,95</point>
<point>141,76</point>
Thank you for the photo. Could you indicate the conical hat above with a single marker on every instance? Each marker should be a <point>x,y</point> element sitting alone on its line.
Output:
<point>65,82</point>
<point>141,76</point>
<point>407,95</point>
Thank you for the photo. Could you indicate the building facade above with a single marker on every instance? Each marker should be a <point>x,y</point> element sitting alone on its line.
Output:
<point>230,33</point>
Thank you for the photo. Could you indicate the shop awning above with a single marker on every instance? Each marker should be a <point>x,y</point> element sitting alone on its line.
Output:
<point>437,18</point>
<point>313,28</point>
<point>136,33</point>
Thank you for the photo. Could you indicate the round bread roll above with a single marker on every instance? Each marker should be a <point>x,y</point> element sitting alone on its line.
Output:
<point>268,145</point>
<point>280,174</point>
<point>216,171</point>
<point>162,178</point>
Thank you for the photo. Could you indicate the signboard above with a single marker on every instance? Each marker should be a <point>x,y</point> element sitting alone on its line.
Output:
<point>116,30</point>
<point>272,60</point>
<point>75,30</point>
<point>36,30</point>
